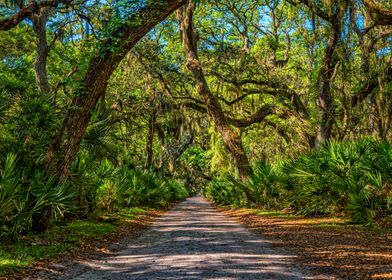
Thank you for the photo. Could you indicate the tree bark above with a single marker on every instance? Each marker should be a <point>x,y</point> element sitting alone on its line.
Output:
<point>66,144</point>
<point>39,26</point>
<point>230,137</point>
<point>324,98</point>
<point>27,11</point>
<point>150,140</point>
<point>380,15</point>
<point>173,151</point>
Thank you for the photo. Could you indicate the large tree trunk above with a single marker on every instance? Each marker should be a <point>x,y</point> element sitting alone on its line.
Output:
<point>150,140</point>
<point>373,115</point>
<point>39,26</point>
<point>173,152</point>
<point>230,137</point>
<point>65,146</point>
<point>324,98</point>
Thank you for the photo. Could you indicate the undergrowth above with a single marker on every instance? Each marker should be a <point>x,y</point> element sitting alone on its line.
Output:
<point>62,237</point>
<point>352,179</point>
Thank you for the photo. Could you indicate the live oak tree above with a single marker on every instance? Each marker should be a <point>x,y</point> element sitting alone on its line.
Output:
<point>65,146</point>
<point>127,31</point>
<point>226,84</point>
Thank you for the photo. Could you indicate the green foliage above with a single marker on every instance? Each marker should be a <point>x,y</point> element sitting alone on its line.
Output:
<point>350,178</point>
<point>226,190</point>
<point>152,96</point>
<point>29,203</point>
<point>133,187</point>
<point>60,238</point>
<point>9,188</point>
<point>265,187</point>
<point>343,177</point>
<point>33,203</point>
<point>30,200</point>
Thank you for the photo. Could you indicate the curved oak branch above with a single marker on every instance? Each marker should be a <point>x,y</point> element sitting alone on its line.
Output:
<point>29,10</point>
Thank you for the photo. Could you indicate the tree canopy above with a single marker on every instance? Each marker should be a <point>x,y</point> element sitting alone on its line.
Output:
<point>188,90</point>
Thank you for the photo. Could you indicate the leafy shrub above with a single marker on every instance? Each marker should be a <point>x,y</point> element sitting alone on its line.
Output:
<point>343,177</point>
<point>226,190</point>
<point>350,178</point>
<point>176,191</point>
<point>134,187</point>
<point>29,202</point>
<point>264,188</point>
<point>103,174</point>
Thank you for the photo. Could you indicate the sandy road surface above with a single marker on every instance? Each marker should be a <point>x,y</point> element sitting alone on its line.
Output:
<point>195,241</point>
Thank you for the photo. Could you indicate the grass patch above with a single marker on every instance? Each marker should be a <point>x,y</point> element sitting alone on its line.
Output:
<point>61,238</point>
<point>319,221</point>
<point>325,222</point>
<point>277,214</point>
<point>385,230</point>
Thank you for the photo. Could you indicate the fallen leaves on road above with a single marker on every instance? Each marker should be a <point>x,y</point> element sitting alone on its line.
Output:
<point>326,246</point>
<point>87,249</point>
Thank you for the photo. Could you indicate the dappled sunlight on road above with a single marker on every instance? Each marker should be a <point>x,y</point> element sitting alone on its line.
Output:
<point>195,241</point>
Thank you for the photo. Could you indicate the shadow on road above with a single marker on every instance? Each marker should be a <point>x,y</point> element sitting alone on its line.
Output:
<point>195,241</point>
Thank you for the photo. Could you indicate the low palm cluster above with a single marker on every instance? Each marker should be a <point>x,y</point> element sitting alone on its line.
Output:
<point>29,201</point>
<point>341,178</point>
<point>33,204</point>
<point>103,176</point>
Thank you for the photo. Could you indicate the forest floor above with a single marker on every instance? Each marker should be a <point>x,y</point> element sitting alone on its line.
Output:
<point>195,240</point>
<point>326,247</point>
<point>64,246</point>
<point>191,241</point>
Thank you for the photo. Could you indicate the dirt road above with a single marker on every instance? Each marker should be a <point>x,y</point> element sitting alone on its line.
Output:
<point>195,241</point>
